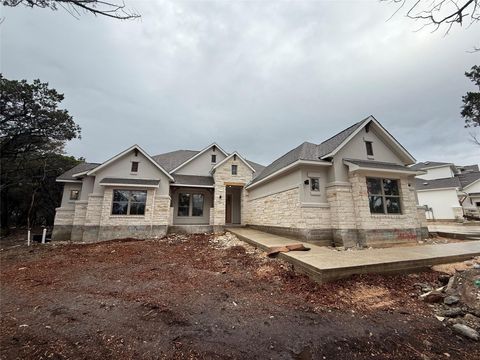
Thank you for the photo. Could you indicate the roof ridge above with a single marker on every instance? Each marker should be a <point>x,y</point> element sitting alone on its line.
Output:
<point>348,128</point>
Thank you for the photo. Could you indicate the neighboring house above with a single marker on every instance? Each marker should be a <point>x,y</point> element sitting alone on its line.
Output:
<point>447,190</point>
<point>352,189</point>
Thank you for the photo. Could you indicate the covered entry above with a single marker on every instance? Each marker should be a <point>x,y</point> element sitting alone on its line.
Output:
<point>233,208</point>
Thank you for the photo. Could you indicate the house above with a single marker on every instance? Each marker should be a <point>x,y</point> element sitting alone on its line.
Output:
<point>353,189</point>
<point>447,190</point>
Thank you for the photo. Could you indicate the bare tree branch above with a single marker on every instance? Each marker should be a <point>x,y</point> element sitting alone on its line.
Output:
<point>440,13</point>
<point>116,10</point>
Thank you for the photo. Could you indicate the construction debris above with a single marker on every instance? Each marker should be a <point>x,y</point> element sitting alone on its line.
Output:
<point>274,251</point>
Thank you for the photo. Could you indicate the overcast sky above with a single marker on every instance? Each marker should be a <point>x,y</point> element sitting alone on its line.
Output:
<point>256,77</point>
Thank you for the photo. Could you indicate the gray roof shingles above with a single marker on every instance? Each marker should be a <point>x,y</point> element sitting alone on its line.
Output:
<point>468,178</point>
<point>120,181</point>
<point>82,167</point>
<point>422,184</point>
<point>308,151</point>
<point>381,165</point>
<point>193,180</point>
<point>428,164</point>
<point>173,159</point>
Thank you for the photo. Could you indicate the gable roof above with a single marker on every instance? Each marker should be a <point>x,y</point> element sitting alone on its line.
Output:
<point>329,145</point>
<point>173,159</point>
<point>429,164</point>
<point>343,137</point>
<point>230,156</point>
<point>198,154</point>
<point>193,180</point>
<point>443,183</point>
<point>109,161</point>
<point>467,179</point>
<point>78,169</point>
<point>305,151</point>
<point>312,152</point>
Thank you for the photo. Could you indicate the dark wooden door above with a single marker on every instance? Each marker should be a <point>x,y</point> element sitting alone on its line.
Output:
<point>228,209</point>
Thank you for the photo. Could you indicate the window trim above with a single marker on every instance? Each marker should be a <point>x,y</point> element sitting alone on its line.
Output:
<point>234,166</point>
<point>129,202</point>
<point>190,204</point>
<point>77,197</point>
<point>384,196</point>
<point>311,184</point>
<point>131,167</point>
<point>369,148</point>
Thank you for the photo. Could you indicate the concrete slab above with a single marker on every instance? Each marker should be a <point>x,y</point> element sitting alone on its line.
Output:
<point>456,231</point>
<point>324,264</point>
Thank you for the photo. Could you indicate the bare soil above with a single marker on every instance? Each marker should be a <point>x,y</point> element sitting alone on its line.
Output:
<point>190,297</point>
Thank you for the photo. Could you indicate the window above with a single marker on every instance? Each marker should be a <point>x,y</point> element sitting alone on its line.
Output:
<point>190,201</point>
<point>183,204</point>
<point>197,205</point>
<point>129,202</point>
<point>134,166</point>
<point>369,147</point>
<point>214,159</point>
<point>234,169</point>
<point>315,184</point>
<point>383,196</point>
<point>74,194</point>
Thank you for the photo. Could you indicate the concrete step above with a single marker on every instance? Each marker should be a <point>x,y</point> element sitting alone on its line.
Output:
<point>324,264</point>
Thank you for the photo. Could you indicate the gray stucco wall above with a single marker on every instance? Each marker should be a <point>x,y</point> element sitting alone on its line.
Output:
<point>202,164</point>
<point>121,169</point>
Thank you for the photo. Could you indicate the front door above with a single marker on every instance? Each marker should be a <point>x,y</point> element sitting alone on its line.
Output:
<point>228,209</point>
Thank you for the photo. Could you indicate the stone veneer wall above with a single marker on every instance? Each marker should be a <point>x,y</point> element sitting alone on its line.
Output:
<point>224,175</point>
<point>63,223</point>
<point>153,224</point>
<point>282,213</point>
<point>79,220</point>
<point>379,229</point>
<point>342,212</point>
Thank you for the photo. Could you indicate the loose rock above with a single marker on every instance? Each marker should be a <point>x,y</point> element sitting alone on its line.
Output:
<point>450,300</point>
<point>432,297</point>
<point>453,312</point>
<point>466,331</point>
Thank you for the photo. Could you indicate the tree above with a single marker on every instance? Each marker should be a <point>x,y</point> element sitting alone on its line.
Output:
<point>471,102</point>
<point>104,8</point>
<point>440,13</point>
<point>33,133</point>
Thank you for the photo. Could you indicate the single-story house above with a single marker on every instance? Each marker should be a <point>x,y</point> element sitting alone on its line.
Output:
<point>353,189</point>
<point>448,191</point>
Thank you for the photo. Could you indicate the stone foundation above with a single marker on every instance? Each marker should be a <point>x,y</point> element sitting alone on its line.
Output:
<point>62,232</point>
<point>190,229</point>
<point>320,237</point>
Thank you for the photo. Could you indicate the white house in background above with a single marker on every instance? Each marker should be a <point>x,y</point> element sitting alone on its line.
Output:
<point>449,191</point>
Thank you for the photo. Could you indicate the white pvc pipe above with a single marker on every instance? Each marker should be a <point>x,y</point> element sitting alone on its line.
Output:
<point>28,238</point>
<point>44,235</point>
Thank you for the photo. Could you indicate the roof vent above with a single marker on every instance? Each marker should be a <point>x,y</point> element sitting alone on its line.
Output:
<point>425,183</point>
<point>427,162</point>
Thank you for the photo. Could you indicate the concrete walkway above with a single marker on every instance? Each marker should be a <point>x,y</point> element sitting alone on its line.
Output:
<point>323,264</point>
<point>456,231</point>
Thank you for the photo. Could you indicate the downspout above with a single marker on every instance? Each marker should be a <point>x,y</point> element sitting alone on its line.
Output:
<point>153,211</point>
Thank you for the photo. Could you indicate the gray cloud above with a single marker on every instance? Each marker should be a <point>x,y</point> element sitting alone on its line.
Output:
<point>257,77</point>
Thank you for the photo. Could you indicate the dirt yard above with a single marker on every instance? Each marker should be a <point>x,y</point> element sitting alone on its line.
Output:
<point>194,297</point>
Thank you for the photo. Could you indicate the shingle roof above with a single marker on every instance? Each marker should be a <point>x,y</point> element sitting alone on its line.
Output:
<point>193,180</point>
<point>309,151</point>
<point>422,184</point>
<point>428,164</point>
<point>332,143</point>
<point>173,159</point>
<point>305,151</point>
<point>121,181</point>
<point>468,178</point>
<point>469,168</point>
<point>82,167</point>
<point>380,165</point>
